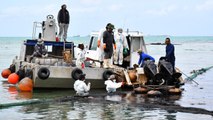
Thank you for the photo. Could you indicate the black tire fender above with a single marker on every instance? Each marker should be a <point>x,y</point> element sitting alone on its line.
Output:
<point>76,73</point>
<point>12,68</point>
<point>21,73</point>
<point>43,73</point>
<point>107,73</point>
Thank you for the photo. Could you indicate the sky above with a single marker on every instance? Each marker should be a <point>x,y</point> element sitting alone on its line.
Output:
<point>152,17</point>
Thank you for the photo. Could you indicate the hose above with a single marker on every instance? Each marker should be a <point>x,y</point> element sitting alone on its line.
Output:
<point>19,103</point>
<point>195,73</point>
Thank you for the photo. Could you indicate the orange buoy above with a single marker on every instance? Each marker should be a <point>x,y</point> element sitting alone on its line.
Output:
<point>5,73</point>
<point>25,85</point>
<point>175,91</point>
<point>140,90</point>
<point>153,93</point>
<point>13,78</point>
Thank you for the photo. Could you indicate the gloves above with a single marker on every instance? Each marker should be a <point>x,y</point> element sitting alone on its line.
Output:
<point>104,45</point>
<point>115,46</point>
<point>99,43</point>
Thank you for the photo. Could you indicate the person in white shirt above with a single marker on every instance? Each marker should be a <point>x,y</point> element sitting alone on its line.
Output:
<point>80,56</point>
<point>111,84</point>
<point>81,88</point>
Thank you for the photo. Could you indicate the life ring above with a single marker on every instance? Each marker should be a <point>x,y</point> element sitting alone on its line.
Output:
<point>76,73</point>
<point>141,90</point>
<point>43,73</point>
<point>154,93</point>
<point>107,73</point>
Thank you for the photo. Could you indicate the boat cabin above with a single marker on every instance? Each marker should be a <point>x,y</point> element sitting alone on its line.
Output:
<point>54,49</point>
<point>135,41</point>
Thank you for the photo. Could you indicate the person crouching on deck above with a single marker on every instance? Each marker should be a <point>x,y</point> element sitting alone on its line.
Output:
<point>143,58</point>
<point>80,86</point>
<point>39,50</point>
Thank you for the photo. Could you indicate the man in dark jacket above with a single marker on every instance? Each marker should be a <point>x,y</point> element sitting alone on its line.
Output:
<point>170,52</point>
<point>108,41</point>
<point>63,22</point>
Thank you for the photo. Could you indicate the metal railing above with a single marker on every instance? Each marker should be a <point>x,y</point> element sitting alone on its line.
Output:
<point>35,26</point>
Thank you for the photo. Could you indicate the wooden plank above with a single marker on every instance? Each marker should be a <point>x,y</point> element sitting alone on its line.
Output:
<point>127,78</point>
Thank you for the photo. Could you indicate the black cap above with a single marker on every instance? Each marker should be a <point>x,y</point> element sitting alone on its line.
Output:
<point>82,76</point>
<point>63,5</point>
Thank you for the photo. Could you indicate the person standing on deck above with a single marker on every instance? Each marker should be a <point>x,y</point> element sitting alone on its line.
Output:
<point>100,45</point>
<point>170,52</point>
<point>81,56</point>
<point>121,43</point>
<point>143,58</point>
<point>108,41</point>
<point>63,22</point>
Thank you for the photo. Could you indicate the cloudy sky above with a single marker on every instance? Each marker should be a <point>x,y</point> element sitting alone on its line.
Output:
<point>152,17</point>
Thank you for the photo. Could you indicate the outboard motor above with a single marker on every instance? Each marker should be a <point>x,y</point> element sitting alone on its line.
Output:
<point>49,29</point>
<point>150,70</point>
<point>168,72</point>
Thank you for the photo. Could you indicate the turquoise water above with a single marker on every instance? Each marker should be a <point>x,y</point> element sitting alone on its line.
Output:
<point>191,53</point>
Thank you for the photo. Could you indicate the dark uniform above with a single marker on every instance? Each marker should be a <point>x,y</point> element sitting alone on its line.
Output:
<point>170,54</point>
<point>63,16</point>
<point>108,39</point>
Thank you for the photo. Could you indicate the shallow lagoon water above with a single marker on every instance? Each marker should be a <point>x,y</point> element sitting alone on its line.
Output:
<point>192,53</point>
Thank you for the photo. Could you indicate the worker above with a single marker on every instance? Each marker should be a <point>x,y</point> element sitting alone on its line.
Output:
<point>63,22</point>
<point>100,45</point>
<point>108,42</point>
<point>80,56</point>
<point>170,52</point>
<point>80,86</point>
<point>111,84</point>
<point>121,43</point>
<point>39,50</point>
<point>143,58</point>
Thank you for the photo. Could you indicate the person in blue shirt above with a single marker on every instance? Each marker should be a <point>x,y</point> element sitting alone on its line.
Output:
<point>170,52</point>
<point>143,58</point>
